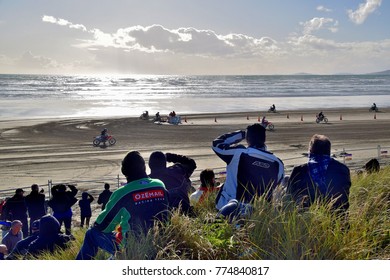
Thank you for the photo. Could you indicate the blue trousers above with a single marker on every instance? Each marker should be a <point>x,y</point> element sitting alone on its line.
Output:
<point>93,240</point>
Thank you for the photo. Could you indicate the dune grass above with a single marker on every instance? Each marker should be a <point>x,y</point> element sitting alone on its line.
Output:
<point>280,232</point>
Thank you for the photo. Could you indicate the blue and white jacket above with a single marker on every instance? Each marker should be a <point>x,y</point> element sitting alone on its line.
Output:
<point>250,171</point>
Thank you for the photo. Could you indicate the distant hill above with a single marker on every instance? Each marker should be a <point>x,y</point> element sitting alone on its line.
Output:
<point>386,72</point>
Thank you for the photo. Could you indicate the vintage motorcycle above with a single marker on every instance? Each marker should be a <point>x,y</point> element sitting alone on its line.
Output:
<point>108,141</point>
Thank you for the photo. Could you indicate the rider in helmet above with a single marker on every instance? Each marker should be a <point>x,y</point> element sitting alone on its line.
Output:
<point>264,122</point>
<point>104,134</point>
<point>373,106</point>
<point>321,115</point>
<point>273,107</point>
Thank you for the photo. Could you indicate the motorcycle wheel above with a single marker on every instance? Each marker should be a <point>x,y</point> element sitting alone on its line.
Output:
<point>96,142</point>
<point>325,120</point>
<point>271,126</point>
<point>112,141</point>
<point>317,120</point>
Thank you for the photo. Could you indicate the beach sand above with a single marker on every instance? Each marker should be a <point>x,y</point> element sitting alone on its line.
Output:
<point>35,151</point>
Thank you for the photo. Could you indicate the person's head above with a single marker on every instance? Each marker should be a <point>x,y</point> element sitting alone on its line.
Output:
<point>105,130</point>
<point>207,178</point>
<point>84,195</point>
<point>106,186</point>
<point>157,160</point>
<point>133,166</point>
<point>35,226</point>
<point>61,188</point>
<point>255,135</point>
<point>19,192</point>
<point>34,188</point>
<point>3,249</point>
<point>319,145</point>
<point>16,226</point>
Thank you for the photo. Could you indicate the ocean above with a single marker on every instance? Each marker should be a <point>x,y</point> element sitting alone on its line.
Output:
<point>52,96</point>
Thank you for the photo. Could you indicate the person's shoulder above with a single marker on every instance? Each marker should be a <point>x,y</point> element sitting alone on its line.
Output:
<point>339,165</point>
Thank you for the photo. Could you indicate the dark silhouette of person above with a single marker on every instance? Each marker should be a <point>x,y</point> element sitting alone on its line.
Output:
<point>49,237</point>
<point>15,208</point>
<point>61,202</point>
<point>104,196</point>
<point>176,177</point>
<point>35,202</point>
<point>85,208</point>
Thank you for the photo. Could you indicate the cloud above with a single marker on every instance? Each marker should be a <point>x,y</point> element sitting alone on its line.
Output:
<point>158,39</point>
<point>156,49</point>
<point>323,9</point>
<point>29,60</point>
<point>319,23</point>
<point>360,15</point>
<point>63,22</point>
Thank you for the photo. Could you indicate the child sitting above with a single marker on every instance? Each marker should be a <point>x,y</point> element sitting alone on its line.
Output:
<point>207,180</point>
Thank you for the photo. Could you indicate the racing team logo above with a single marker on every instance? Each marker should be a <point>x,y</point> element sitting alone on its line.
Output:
<point>149,194</point>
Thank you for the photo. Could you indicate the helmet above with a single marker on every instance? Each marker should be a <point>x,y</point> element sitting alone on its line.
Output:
<point>105,129</point>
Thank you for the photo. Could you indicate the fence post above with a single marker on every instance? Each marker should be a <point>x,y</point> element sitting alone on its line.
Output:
<point>49,185</point>
<point>344,155</point>
<point>379,151</point>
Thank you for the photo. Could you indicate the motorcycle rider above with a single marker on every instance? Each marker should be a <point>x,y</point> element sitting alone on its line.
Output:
<point>264,122</point>
<point>373,107</point>
<point>157,117</point>
<point>104,135</point>
<point>321,116</point>
<point>272,108</point>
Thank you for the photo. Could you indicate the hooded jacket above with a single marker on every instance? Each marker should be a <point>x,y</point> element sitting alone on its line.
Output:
<point>49,236</point>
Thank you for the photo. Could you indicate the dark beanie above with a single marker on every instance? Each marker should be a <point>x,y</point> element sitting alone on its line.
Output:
<point>157,160</point>
<point>255,135</point>
<point>133,164</point>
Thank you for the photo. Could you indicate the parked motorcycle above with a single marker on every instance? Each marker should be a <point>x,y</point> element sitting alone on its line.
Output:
<point>98,140</point>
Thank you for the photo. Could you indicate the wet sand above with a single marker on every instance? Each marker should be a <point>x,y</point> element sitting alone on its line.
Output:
<point>35,151</point>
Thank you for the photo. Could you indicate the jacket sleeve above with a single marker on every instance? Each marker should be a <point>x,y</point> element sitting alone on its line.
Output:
<point>223,145</point>
<point>73,190</point>
<point>188,163</point>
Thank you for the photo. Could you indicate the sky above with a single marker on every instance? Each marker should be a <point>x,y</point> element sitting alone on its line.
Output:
<point>194,37</point>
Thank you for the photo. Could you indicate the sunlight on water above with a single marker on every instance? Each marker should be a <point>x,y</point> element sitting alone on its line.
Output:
<point>53,96</point>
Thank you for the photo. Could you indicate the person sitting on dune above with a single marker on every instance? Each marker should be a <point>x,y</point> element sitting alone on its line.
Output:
<point>322,177</point>
<point>251,171</point>
<point>207,186</point>
<point>133,207</point>
<point>176,177</point>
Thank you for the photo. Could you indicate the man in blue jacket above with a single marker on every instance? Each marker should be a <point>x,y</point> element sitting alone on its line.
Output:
<point>251,171</point>
<point>322,177</point>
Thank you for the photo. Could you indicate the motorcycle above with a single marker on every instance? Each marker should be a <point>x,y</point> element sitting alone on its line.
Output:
<point>98,140</point>
<point>321,119</point>
<point>272,110</point>
<point>268,125</point>
<point>373,109</point>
